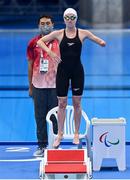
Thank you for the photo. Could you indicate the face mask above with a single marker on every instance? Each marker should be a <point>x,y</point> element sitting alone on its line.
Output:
<point>44,30</point>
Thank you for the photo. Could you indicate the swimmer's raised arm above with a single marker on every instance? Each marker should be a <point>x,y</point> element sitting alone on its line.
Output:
<point>53,35</point>
<point>48,38</point>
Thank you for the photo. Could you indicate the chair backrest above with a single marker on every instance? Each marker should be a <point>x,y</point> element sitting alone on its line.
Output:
<point>69,120</point>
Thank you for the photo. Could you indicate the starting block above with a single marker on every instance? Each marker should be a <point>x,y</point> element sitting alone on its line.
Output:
<point>65,164</point>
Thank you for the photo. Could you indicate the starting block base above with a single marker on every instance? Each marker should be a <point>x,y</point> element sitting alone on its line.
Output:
<point>65,176</point>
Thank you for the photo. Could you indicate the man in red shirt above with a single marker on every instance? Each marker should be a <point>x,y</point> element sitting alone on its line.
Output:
<point>42,76</point>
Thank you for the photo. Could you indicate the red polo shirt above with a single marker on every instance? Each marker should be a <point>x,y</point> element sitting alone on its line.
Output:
<point>48,79</point>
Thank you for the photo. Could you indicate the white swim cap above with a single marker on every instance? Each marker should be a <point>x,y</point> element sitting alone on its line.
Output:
<point>70,11</point>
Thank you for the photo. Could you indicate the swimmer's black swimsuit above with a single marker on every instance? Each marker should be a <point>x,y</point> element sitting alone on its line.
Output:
<point>70,69</point>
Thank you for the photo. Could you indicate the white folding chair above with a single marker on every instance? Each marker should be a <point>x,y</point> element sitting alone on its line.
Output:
<point>69,128</point>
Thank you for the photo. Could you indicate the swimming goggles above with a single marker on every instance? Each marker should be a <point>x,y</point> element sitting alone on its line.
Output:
<point>67,18</point>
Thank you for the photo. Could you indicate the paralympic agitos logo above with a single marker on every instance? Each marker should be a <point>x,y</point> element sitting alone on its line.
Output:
<point>104,139</point>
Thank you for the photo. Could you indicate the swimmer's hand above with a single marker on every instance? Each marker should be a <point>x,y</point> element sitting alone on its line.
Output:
<point>54,56</point>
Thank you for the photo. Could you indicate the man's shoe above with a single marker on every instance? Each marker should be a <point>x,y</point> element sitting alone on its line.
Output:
<point>39,152</point>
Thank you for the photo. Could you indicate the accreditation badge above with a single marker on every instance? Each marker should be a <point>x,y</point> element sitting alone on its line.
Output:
<point>44,64</point>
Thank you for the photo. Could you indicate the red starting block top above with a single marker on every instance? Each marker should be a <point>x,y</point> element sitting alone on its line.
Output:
<point>65,155</point>
<point>65,161</point>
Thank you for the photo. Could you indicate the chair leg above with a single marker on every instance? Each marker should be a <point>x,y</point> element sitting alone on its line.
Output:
<point>50,142</point>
